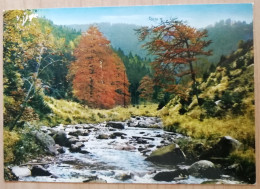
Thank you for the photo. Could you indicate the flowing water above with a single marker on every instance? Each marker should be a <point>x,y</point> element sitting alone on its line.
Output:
<point>119,159</point>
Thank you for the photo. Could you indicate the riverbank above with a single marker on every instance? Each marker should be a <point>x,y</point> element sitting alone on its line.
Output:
<point>21,146</point>
<point>134,151</point>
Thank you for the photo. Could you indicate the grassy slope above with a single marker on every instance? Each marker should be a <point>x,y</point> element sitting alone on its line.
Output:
<point>232,84</point>
<point>65,112</point>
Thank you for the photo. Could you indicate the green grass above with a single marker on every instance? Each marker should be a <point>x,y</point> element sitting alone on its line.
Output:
<point>68,112</point>
<point>240,127</point>
<point>11,138</point>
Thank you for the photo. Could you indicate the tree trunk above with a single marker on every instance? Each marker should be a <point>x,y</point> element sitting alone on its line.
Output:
<point>193,77</point>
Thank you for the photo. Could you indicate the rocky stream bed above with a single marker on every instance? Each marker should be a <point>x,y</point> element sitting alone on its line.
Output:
<point>135,151</point>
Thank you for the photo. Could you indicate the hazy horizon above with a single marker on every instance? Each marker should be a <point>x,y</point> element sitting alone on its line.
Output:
<point>199,16</point>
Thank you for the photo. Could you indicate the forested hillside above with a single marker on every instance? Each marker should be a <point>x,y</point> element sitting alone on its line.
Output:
<point>136,69</point>
<point>225,36</point>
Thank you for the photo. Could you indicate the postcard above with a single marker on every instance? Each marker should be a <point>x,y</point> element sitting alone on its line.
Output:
<point>135,94</point>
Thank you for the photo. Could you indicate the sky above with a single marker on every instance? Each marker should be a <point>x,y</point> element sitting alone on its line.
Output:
<point>198,16</point>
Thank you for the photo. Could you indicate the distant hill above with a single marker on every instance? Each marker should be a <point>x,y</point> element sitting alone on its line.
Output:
<point>121,36</point>
<point>224,34</point>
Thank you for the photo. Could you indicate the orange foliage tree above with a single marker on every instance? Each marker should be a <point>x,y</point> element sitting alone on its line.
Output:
<point>99,76</point>
<point>146,88</point>
<point>176,47</point>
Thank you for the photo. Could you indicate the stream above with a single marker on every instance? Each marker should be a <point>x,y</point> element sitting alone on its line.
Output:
<point>114,154</point>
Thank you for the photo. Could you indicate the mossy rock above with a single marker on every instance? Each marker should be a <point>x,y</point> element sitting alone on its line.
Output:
<point>171,155</point>
<point>204,168</point>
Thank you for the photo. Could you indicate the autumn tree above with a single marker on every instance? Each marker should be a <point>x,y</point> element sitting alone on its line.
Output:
<point>54,76</point>
<point>176,47</point>
<point>99,77</point>
<point>146,88</point>
<point>28,50</point>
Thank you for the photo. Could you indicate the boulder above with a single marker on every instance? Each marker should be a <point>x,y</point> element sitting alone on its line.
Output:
<point>140,149</point>
<point>83,151</point>
<point>124,176</point>
<point>204,169</point>
<point>94,179</point>
<point>78,133</point>
<point>21,171</point>
<point>102,136</point>
<point>171,154</point>
<point>116,125</point>
<point>141,141</point>
<point>226,145</point>
<point>123,137</point>
<point>60,149</point>
<point>145,122</point>
<point>76,147</point>
<point>46,130</point>
<point>46,141</point>
<point>85,133</point>
<point>171,175</point>
<point>38,170</point>
<point>117,134</point>
<point>61,138</point>
<point>223,148</point>
<point>72,140</point>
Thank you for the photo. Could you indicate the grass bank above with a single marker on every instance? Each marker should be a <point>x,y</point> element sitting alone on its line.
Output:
<point>68,112</point>
<point>20,145</point>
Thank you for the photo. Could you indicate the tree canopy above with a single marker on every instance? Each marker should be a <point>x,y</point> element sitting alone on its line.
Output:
<point>176,47</point>
<point>99,77</point>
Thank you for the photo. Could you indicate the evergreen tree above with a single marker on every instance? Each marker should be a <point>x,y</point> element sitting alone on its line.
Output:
<point>136,69</point>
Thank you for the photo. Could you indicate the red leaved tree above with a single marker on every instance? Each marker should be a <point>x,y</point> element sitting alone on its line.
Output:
<point>99,77</point>
<point>176,47</point>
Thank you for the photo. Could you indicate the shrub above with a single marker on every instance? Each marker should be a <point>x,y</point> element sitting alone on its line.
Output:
<point>26,148</point>
<point>246,161</point>
<point>210,108</point>
<point>10,140</point>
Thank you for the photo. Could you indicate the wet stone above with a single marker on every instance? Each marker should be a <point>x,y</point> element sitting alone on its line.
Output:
<point>103,136</point>
<point>171,175</point>
<point>21,171</point>
<point>73,140</point>
<point>141,149</point>
<point>83,151</point>
<point>123,137</point>
<point>124,176</point>
<point>38,170</point>
<point>141,141</point>
<point>76,133</point>
<point>76,147</point>
<point>115,125</point>
<point>94,179</point>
